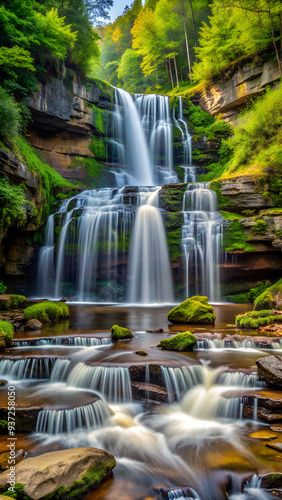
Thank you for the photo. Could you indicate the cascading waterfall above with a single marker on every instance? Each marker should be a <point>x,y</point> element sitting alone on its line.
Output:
<point>186,139</point>
<point>46,260</point>
<point>201,241</point>
<point>28,368</point>
<point>154,113</point>
<point>149,268</point>
<point>64,341</point>
<point>86,417</point>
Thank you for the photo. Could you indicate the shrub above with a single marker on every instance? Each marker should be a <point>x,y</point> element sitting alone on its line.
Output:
<point>260,226</point>
<point>47,312</point>
<point>3,287</point>
<point>9,117</point>
<point>6,330</point>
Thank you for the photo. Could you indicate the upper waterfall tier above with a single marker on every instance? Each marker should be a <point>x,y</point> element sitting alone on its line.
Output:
<point>142,140</point>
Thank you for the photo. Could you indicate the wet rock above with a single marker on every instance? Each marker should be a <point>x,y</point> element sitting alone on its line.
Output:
<point>69,470</point>
<point>33,324</point>
<point>120,333</point>
<point>158,330</point>
<point>4,459</point>
<point>195,310</point>
<point>144,391</point>
<point>271,481</point>
<point>25,418</point>
<point>276,428</point>
<point>182,342</point>
<point>270,370</point>
<point>3,382</point>
<point>141,353</point>
<point>263,435</point>
<point>276,444</point>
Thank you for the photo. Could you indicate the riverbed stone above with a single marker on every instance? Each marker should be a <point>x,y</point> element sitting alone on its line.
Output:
<point>34,324</point>
<point>195,310</point>
<point>65,472</point>
<point>271,481</point>
<point>270,370</point>
<point>182,342</point>
<point>120,333</point>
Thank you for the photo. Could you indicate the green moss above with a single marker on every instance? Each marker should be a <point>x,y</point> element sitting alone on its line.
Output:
<point>218,128</point>
<point>93,168</point>
<point>229,215</point>
<point>141,353</point>
<point>194,310</point>
<point>173,225</point>
<point>256,319</point>
<point>119,333</point>
<point>182,342</point>
<point>171,197</point>
<point>18,492</point>
<point>97,147</point>
<point>222,200</point>
<point>260,226</point>
<point>234,238</point>
<point>17,301</point>
<point>3,426</point>
<point>270,298</point>
<point>240,298</point>
<point>6,331</point>
<point>47,311</point>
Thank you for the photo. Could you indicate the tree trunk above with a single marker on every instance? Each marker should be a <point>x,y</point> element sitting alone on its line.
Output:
<point>170,72</point>
<point>194,26</point>
<point>187,49</point>
<point>176,71</point>
<point>273,40</point>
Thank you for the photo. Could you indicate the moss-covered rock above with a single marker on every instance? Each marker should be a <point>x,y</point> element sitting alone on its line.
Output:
<point>271,298</point>
<point>6,331</point>
<point>120,333</point>
<point>255,319</point>
<point>60,474</point>
<point>141,353</point>
<point>47,312</point>
<point>194,310</point>
<point>8,301</point>
<point>182,342</point>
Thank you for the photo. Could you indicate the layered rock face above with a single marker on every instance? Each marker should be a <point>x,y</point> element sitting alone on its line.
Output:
<point>229,92</point>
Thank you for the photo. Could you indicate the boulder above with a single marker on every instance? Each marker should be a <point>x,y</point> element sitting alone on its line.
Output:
<point>33,324</point>
<point>66,470</point>
<point>182,342</point>
<point>141,353</point>
<point>119,333</point>
<point>270,370</point>
<point>271,298</point>
<point>271,481</point>
<point>195,310</point>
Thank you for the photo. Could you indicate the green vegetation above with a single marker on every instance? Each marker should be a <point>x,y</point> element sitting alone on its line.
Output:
<point>251,295</point>
<point>12,205</point>
<point>6,331</point>
<point>3,426</point>
<point>141,353</point>
<point>120,333</point>
<point>194,310</point>
<point>182,342</point>
<point>3,288</point>
<point>234,238</point>
<point>255,319</point>
<point>47,312</point>
<point>260,226</point>
<point>270,298</point>
<point>12,302</point>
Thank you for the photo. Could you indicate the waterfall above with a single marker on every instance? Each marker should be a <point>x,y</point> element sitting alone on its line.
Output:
<point>87,417</point>
<point>27,368</point>
<point>73,341</point>
<point>132,150</point>
<point>201,241</point>
<point>149,268</point>
<point>46,260</point>
<point>186,140</point>
<point>154,113</point>
<point>112,382</point>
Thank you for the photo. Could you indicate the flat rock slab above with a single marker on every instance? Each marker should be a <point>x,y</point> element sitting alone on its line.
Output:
<point>270,370</point>
<point>276,444</point>
<point>46,473</point>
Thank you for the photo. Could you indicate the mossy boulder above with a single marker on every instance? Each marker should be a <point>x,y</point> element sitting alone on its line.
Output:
<point>182,342</point>
<point>256,319</point>
<point>47,312</point>
<point>195,310</point>
<point>6,331</point>
<point>60,474</point>
<point>120,333</point>
<point>271,298</point>
<point>8,301</point>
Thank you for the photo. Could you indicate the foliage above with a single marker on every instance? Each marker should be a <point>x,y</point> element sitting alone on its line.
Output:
<point>270,298</point>
<point>6,330</point>
<point>244,298</point>
<point>260,226</point>
<point>12,204</point>
<point>47,311</point>
<point>182,342</point>
<point>257,140</point>
<point>3,287</point>
<point>9,117</point>
<point>255,319</point>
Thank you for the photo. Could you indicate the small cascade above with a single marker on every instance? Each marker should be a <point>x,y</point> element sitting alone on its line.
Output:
<point>240,379</point>
<point>186,138</point>
<point>60,370</point>
<point>87,417</point>
<point>201,241</point>
<point>233,344</point>
<point>154,113</point>
<point>149,268</point>
<point>67,341</point>
<point>46,267</point>
<point>113,382</point>
<point>27,368</point>
<point>130,143</point>
<point>187,494</point>
<point>179,380</point>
